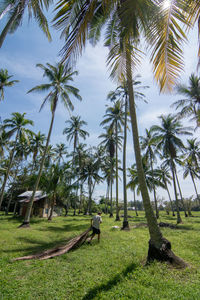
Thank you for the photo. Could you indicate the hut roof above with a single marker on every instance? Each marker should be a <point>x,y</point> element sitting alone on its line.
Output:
<point>27,195</point>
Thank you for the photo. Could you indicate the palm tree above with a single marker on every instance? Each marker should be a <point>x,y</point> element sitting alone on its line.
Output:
<point>75,132</point>
<point>163,33</point>
<point>190,106</point>
<point>190,169</point>
<point>5,82</point>
<point>109,143</point>
<point>16,125</point>
<point>115,118</point>
<point>132,184</point>
<point>90,173</point>
<point>58,90</point>
<point>60,150</point>
<point>148,143</point>
<point>166,178</point>
<point>170,143</point>
<point>37,145</point>
<point>15,11</point>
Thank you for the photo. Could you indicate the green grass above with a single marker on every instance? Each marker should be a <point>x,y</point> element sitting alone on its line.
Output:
<point>113,269</point>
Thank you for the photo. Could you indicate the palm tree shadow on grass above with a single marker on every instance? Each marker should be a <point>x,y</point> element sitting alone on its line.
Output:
<point>109,284</point>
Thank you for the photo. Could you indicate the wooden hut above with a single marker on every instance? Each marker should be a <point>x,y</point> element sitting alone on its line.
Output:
<point>41,205</point>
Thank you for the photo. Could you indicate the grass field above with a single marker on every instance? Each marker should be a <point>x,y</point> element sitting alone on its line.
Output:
<point>113,269</point>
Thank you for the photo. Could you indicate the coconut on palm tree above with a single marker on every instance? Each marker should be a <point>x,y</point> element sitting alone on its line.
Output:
<point>59,90</point>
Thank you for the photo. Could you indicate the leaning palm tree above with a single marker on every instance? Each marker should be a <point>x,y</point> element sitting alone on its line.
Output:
<point>161,26</point>
<point>59,89</point>
<point>169,143</point>
<point>16,125</point>
<point>15,12</point>
<point>5,82</point>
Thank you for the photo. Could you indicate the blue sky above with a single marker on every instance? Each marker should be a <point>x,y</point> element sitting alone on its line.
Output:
<point>28,46</point>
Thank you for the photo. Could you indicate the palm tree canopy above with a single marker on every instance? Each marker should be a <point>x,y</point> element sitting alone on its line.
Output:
<point>74,130</point>
<point>15,12</point>
<point>190,105</point>
<point>161,26</point>
<point>58,86</point>
<point>18,124</point>
<point>168,135</point>
<point>5,82</point>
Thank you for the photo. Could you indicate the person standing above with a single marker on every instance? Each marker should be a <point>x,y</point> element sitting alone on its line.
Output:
<point>95,223</point>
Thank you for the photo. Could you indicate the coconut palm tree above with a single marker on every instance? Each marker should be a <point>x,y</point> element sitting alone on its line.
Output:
<point>60,150</point>
<point>109,143</point>
<point>190,169</point>
<point>16,125</point>
<point>5,82</point>
<point>115,118</point>
<point>166,178</point>
<point>74,131</point>
<point>170,143</point>
<point>37,145</point>
<point>163,33</point>
<point>190,105</point>
<point>15,12</point>
<point>149,145</point>
<point>59,89</point>
<point>90,173</point>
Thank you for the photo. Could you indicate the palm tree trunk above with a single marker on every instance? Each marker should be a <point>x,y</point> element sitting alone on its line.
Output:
<point>154,230</point>
<point>154,189</point>
<point>26,222</point>
<point>179,220</point>
<point>170,199</point>
<point>53,202</point>
<point>8,170</point>
<point>159,247</point>
<point>107,198</point>
<point>117,188</point>
<point>135,203</point>
<point>111,185</point>
<point>90,196</point>
<point>179,188</point>
<point>125,221</point>
<point>195,187</point>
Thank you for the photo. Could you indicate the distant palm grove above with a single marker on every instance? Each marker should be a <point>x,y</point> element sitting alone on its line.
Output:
<point>68,173</point>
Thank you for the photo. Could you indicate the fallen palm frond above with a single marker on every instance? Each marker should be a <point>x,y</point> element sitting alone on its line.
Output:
<point>72,244</point>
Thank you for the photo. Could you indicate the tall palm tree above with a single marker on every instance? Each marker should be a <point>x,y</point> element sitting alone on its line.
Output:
<point>190,105</point>
<point>59,89</point>
<point>16,125</point>
<point>165,36</point>
<point>74,131</point>
<point>149,144</point>
<point>15,12</point>
<point>90,173</point>
<point>109,143</point>
<point>166,178</point>
<point>37,145</point>
<point>190,169</point>
<point>170,143</point>
<point>5,82</point>
<point>60,150</point>
<point>115,118</point>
